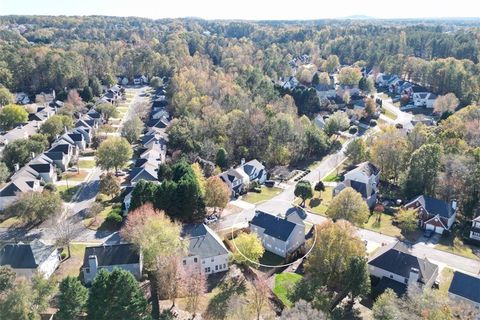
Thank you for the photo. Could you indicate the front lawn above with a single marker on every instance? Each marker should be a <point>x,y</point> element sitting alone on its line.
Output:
<point>100,221</point>
<point>67,193</point>
<point>336,174</point>
<point>284,284</point>
<point>455,245</point>
<point>389,114</point>
<point>266,194</point>
<point>382,223</point>
<point>320,201</point>
<point>86,163</point>
<point>75,176</point>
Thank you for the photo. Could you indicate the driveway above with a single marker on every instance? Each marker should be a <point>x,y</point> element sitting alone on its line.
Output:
<point>403,118</point>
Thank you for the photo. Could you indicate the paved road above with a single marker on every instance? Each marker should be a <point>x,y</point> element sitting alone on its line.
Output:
<point>403,118</point>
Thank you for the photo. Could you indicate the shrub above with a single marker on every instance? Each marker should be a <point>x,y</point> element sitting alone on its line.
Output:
<point>353,129</point>
<point>373,123</point>
<point>50,187</point>
<point>114,217</point>
<point>63,255</point>
<point>319,186</point>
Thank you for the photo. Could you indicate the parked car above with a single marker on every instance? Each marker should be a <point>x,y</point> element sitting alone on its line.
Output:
<point>399,126</point>
<point>428,233</point>
<point>211,219</point>
<point>270,183</point>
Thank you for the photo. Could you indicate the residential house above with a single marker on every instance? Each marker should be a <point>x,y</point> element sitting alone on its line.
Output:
<point>37,168</point>
<point>353,91</point>
<point>475,230</point>
<point>206,251</point>
<point>279,235</point>
<point>291,83</point>
<point>255,170</point>
<point>66,148</point>
<point>434,214</point>
<point>384,80</point>
<point>10,192</point>
<point>465,288</point>
<point>94,115</point>
<point>236,180</point>
<point>319,121</point>
<point>29,259</point>
<point>127,198</point>
<point>397,268</point>
<point>147,172</point>
<point>124,256</point>
<point>21,98</point>
<point>424,99</point>
<point>326,91</point>
<point>77,140</point>
<point>363,178</point>
<point>57,158</point>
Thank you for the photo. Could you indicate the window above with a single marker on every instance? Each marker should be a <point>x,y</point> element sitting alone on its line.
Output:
<point>213,259</point>
<point>406,281</point>
<point>195,260</point>
<point>184,262</point>
<point>224,266</point>
<point>391,276</point>
<point>206,270</point>
<point>87,270</point>
<point>216,267</point>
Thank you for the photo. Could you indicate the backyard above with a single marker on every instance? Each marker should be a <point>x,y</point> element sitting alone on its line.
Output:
<point>72,265</point>
<point>284,284</point>
<point>266,194</point>
<point>320,201</point>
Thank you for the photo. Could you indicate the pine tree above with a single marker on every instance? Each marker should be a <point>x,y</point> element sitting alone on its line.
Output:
<point>72,299</point>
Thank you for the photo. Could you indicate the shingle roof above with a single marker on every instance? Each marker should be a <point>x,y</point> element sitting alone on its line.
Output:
<point>253,168</point>
<point>112,255</point>
<point>360,187</point>
<point>25,256</point>
<point>367,168</point>
<point>434,206</point>
<point>54,155</point>
<point>399,261</point>
<point>465,286</point>
<point>274,226</point>
<point>62,147</point>
<point>203,242</point>
<point>40,167</point>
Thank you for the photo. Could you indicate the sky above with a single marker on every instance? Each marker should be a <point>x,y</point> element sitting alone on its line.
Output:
<point>247,9</point>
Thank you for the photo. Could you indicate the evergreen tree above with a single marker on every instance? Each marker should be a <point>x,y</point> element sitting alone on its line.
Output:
<point>72,299</point>
<point>222,158</point>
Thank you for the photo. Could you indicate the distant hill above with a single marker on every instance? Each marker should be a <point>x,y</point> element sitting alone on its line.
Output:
<point>359,17</point>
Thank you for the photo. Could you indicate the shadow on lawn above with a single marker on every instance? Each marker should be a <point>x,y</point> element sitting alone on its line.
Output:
<point>218,305</point>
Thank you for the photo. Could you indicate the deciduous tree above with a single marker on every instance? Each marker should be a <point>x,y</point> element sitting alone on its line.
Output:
<point>336,122</point>
<point>357,151</point>
<point>56,125</point>
<point>132,129</point>
<point>217,193</point>
<point>303,189</point>
<point>249,249</point>
<point>349,205</point>
<point>113,153</point>
<point>6,97</point>
<point>33,207</point>
<point>446,103</point>
<point>407,220</point>
<point>423,169</point>
<point>11,115</point>
<point>109,184</point>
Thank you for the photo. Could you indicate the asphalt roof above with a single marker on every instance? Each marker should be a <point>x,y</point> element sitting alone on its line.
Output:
<point>399,261</point>
<point>465,286</point>
<point>40,167</point>
<point>63,147</point>
<point>25,256</point>
<point>276,227</point>
<point>360,187</point>
<point>387,283</point>
<point>202,241</point>
<point>112,255</point>
<point>367,167</point>
<point>54,155</point>
<point>434,206</point>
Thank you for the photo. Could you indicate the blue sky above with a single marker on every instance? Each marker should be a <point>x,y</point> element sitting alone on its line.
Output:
<point>246,9</point>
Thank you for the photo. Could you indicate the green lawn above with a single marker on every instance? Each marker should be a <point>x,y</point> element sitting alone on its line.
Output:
<point>266,194</point>
<point>320,201</point>
<point>455,245</point>
<point>10,222</point>
<point>72,265</point>
<point>86,163</point>
<point>284,284</point>
<point>445,280</point>
<point>332,177</point>
<point>67,193</point>
<point>381,222</point>
<point>75,176</point>
<point>389,114</point>
<point>99,222</point>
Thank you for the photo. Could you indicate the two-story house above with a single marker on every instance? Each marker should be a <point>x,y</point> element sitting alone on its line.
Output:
<point>434,214</point>
<point>475,230</point>
<point>255,170</point>
<point>124,256</point>
<point>14,188</point>
<point>396,268</point>
<point>279,235</point>
<point>206,251</point>
<point>363,178</point>
<point>236,180</point>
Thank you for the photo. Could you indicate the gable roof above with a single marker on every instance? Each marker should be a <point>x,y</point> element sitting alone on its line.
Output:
<point>253,168</point>
<point>54,155</point>
<point>112,255</point>
<point>18,185</point>
<point>202,241</point>
<point>276,227</point>
<point>61,147</point>
<point>398,260</point>
<point>366,168</point>
<point>434,206</point>
<point>25,256</point>
<point>465,286</point>
<point>143,173</point>
<point>360,187</point>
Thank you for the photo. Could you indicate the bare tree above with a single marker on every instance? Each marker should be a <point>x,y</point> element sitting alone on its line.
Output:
<point>260,293</point>
<point>170,277</point>
<point>195,287</point>
<point>65,233</point>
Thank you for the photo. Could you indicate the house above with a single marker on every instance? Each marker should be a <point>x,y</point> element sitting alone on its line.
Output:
<point>255,170</point>
<point>140,79</point>
<point>291,83</point>
<point>434,214</point>
<point>326,91</point>
<point>384,80</point>
<point>64,147</point>
<point>148,173</point>
<point>465,288</point>
<point>351,90</point>
<point>29,259</point>
<point>236,180</point>
<point>397,268</point>
<point>319,122</point>
<point>124,256</point>
<point>57,158</point>
<point>37,168</point>
<point>21,98</point>
<point>363,178</point>
<point>77,140</point>
<point>424,99</point>
<point>206,250</point>
<point>127,198</point>
<point>475,230</point>
<point>17,186</point>
<point>279,235</point>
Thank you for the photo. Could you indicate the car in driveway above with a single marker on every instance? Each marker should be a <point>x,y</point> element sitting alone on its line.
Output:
<point>211,219</point>
<point>428,233</point>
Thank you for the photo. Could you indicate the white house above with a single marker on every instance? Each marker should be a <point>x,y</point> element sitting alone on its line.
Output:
<point>397,268</point>
<point>465,288</point>
<point>434,214</point>
<point>255,170</point>
<point>279,235</point>
<point>364,178</point>
<point>236,180</point>
<point>424,99</point>
<point>384,80</point>
<point>475,230</point>
<point>124,256</point>
<point>29,259</point>
<point>206,251</point>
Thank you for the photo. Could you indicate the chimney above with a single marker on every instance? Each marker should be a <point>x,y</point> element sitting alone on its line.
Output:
<point>413,276</point>
<point>16,167</point>
<point>454,205</point>
<point>243,161</point>
<point>93,264</point>
<point>33,155</point>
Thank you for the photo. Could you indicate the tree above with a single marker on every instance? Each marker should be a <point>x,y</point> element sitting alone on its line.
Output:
<point>109,184</point>
<point>336,122</point>
<point>222,158</point>
<point>64,234</point>
<point>87,94</point>
<point>370,107</point>
<point>346,97</point>
<point>319,186</point>
<point>72,299</point>
<point>4,172</point>
<point>143,192</point>
<point>260,294</point>
<point>302,310</point>
<point>11,115</point>
<point>200,177</point>
<point>358,282</point>
<point>170,277</point>
<point>249,249</point>
<point>42,291</point>
<point>107,110</point>
<point>332,63</point>
<point>113,153</point>
<point>423,168</point>
<point>315,79</point>
<point>16,304</point>
<point>386,307</point>
<point>407,220</point>
<point>33,207</point>
<point>349,76</point>
<point>164,172</point>
<point>96,86</point>
<point>132,129</point>
<point>116,295</point>
<point>56,125</point>
<point>20,152</point>
<point>156,82</point>
<point>349,205</point>
<point>447,103</point>
<point>357,151</point>
<point>6,97</point>
<point>217,193</point>
<point>7,279</point>
<point>195,287</point>
<point>389,152</point>
<point>303,189</point>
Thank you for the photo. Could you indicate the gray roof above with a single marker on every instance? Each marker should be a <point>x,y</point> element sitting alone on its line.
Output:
<point>202,241</point>
<point>113,255</point>
<point>54,155</point>
<point>25,256</point>
<point>465,286</point>
<point>434,206</point>
<point>61,147</point>
<point>398,260</point>
<point>17,186</point>
<point>276,227</point>
<point>253,168</point>
<point>360,187</point>
<point>367,168</point>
